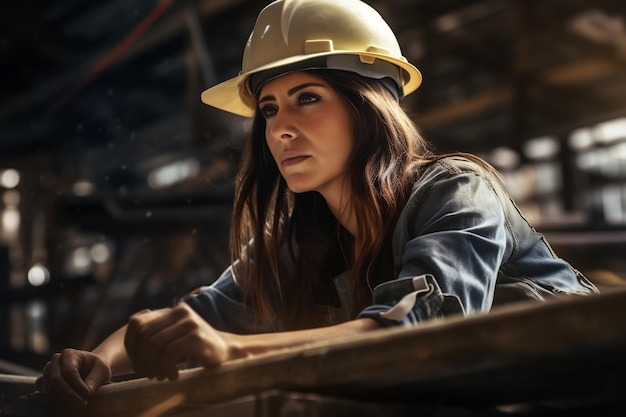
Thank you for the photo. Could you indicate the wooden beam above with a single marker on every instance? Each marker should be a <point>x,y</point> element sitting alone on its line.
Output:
<point>586,70</point>
<point>567,348</point>
<point>572,74</point>
<point>470,106</point>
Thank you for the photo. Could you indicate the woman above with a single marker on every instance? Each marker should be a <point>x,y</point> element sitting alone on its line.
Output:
<point>344,221</point>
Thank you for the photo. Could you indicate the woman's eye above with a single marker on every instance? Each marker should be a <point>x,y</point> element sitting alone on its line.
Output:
<point>308,98</point>
<point>270,110</point>
<point>267,111</point>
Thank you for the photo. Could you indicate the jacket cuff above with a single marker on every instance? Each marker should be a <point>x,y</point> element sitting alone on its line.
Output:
<point>411,300</point>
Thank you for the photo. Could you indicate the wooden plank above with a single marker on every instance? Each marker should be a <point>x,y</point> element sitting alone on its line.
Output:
<point>521,352</point>
<point>17,379</point>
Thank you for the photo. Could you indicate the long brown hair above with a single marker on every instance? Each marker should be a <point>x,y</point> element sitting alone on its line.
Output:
<point>268,219</point>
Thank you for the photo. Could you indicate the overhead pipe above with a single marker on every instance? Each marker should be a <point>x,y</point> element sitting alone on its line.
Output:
<point>114,54</point>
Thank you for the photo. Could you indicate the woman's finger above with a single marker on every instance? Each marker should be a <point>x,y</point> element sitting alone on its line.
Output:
<point>98,373</point>
<point>135,324</point>
<point>139,343</point>
<point>72,364</point>
<point>169,353</point>
<point>59,391</point>
<point>192,337</point>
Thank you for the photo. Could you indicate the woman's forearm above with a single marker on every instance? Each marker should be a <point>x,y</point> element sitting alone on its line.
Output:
<point>178,332</point>
<point>242,346</point>
<point>113,352</point>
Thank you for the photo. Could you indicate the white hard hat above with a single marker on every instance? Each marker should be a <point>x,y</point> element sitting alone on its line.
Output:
<point>291,35</point>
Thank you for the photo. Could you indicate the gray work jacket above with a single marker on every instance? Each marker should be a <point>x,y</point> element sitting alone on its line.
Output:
<point>460,246</point>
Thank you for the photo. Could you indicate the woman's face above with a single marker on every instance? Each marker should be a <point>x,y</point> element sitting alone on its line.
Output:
<point>308,131</point>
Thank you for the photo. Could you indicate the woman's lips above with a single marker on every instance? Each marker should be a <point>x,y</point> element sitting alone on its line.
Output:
<point>294,160</point>
<point>289,158</point>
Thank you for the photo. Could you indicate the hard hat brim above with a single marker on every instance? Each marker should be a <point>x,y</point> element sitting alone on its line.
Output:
<point>233,95</point>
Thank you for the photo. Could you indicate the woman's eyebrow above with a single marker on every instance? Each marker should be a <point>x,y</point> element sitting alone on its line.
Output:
<point>297,88</point>
<point>292,91</point>
<point>266,98</point>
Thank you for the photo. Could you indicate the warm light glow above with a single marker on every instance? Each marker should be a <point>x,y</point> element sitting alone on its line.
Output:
<point>37,339</point>
<point>38,275</point>
<point>81,258</point>
<point>11,198</point>
<point>82,188</point>
<point>581,139</point>
<point>612,204</point>
<point>173,173</point>
<point>504,158</point>
<point>100,253</point>
<point>447,23</point>
<point>542,148</point>
<point>80,261</point>
<point>9,178</point>
<point>10,222</point>
<point>611,130</point>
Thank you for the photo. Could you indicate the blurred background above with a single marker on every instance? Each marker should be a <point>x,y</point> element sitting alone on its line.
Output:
<point>115,180</point>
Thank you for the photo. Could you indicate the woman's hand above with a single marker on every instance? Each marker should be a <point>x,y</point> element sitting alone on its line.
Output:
<point>72,377</point>
<point>156,341</point>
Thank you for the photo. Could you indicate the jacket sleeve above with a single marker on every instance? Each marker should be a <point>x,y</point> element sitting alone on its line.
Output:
<point>221,305</point>
<point>453,236</point>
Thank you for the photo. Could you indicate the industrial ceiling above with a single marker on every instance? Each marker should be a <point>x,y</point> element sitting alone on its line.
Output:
<point>109,90</point>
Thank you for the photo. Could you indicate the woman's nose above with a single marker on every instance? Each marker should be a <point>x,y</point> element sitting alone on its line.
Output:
<point>283,126</point>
